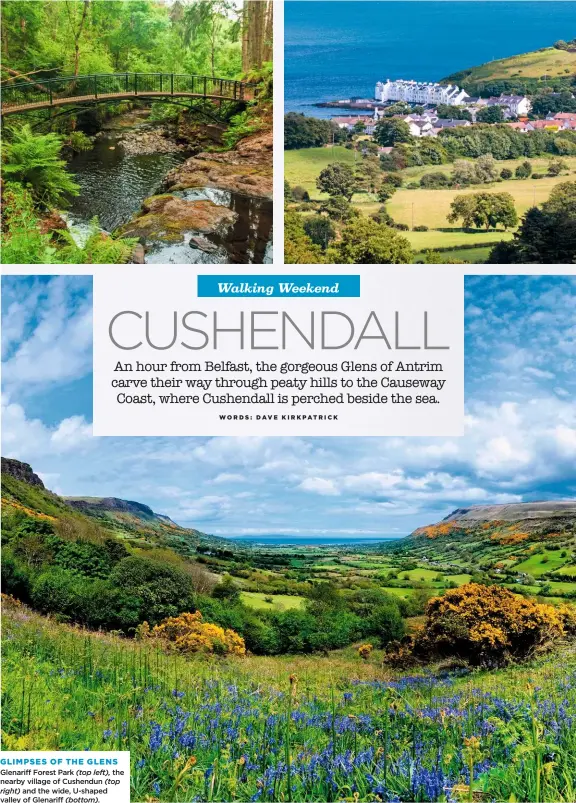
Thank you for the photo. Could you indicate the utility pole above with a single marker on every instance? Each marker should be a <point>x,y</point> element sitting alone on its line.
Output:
<point>412,216</point>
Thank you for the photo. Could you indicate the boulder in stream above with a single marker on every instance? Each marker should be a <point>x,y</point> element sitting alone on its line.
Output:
<point>166,218</point>
<point>246,170</point>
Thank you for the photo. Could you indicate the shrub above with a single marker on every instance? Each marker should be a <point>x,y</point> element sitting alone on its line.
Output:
<point>300,193</point>
<point>382,217</point>
<point>487,625</point>
<point>420,228</point>
<point>393,179</point>
<point>524,170</point>
<point>506,174</point>
<point>160,589</point>
<point>22,241</point>
<point>189,633</point>
<point>385,192</point>
<point>364,651</point>
<point>226,589</point>
<point>434,180</point>
<point>15,577</point>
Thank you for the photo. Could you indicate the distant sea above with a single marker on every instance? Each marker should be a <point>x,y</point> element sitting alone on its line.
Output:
<point>311,540</point>
<point>336,49</point>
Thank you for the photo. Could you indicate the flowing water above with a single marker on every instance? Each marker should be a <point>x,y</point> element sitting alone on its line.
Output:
<point>114,184</point>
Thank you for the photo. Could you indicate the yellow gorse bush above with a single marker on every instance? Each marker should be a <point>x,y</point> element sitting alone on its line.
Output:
<point>476,620</point>
<point>188,632</point>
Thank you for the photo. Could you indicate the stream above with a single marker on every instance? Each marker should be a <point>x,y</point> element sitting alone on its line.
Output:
<point>113,185</point>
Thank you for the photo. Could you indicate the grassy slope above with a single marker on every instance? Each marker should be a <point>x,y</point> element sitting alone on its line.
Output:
<point>109,693</point>
<point>548,61</point>
<point>301,167</point>
<point>18,496</point>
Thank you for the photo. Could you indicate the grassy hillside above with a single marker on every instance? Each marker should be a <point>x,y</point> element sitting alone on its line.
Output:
<point>537,555</point>
<point>430,207</point>
<point>280,729</point>
<point>538,68</point>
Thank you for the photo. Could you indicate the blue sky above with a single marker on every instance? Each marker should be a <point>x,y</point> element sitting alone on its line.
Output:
<point>520,441</point>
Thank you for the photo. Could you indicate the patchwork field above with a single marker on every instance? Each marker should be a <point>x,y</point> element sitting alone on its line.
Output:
<point>423,207</point>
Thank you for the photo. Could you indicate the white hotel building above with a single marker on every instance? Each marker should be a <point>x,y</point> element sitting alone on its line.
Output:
<point>421,93</point>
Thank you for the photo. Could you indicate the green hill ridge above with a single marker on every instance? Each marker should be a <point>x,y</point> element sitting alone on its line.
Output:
<point>548,67</point>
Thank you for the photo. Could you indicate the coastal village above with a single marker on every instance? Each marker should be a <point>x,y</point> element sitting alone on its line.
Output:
<point>425,99</point>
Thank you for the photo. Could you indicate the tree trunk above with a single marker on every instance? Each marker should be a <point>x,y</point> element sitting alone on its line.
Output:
<point>78,33</point>
<point>24,77</point>
<point>256,34</point>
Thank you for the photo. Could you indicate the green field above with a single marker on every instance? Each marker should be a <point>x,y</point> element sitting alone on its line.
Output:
<point>416,207</point>
<point>271,602</point>
<point>432,207</point>
<point>542,563</point>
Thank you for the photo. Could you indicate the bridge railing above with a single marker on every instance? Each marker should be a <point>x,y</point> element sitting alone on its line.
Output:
<point>92,86</point>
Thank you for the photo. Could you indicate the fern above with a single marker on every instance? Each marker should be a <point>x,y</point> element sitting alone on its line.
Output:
<point>34,161</point>
<point>22,241</point>
<point>99,248</point>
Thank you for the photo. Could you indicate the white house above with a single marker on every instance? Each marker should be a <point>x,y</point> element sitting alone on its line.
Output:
<point>514,105</point>
<point>420,92</point>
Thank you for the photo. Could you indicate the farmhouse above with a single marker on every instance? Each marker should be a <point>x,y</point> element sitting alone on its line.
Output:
<point>420,92</point>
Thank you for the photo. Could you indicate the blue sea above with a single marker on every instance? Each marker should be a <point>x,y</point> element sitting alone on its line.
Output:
<point>311,540</point>
<point>337,49</point>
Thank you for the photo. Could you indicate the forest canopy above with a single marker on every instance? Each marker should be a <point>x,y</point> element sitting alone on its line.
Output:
<point>74,37</point>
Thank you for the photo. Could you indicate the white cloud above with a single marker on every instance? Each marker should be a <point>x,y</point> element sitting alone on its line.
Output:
<point>27,439</point>
<point>320,486</point>
<point>58,347</point>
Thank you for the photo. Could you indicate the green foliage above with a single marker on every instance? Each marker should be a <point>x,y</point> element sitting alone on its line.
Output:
<point>389,132</point>
<point>385,192</point>
<point>298,247</point>
<point>490,114</point>
<point>524,170</point>
<point>338,208</point>
<point>34,161</point>
<point>337,179</point>
<point>22,241</point>
<point>227,590</point>
<point>99,248</point>
<point>484,209</point>
<point>452,112</point>
<point>320,230</point>
<point>78,142</point>
<point>160,589</point>
<point>241,125</point>
<point>299,193</point>
<point>482,170</point>
<point>434,181</point>
<point>309,132</point>
<point>545,236</point>
<point>365,242</point>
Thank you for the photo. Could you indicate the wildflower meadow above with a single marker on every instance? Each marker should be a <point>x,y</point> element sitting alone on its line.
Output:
<point>253,728</point>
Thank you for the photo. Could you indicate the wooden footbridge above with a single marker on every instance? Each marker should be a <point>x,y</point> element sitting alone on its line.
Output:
<point>27,96</point>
